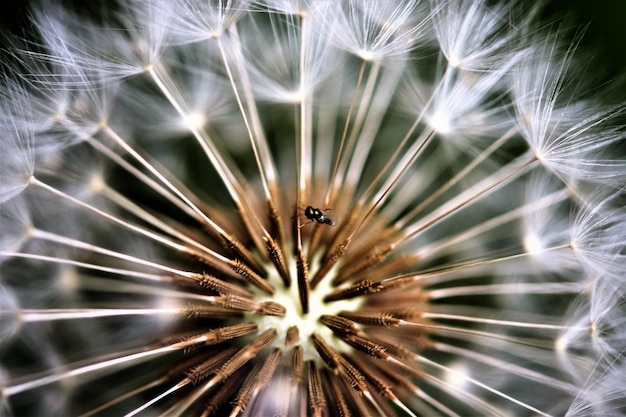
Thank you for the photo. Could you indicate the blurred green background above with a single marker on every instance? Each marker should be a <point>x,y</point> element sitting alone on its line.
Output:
<point>605,36</point>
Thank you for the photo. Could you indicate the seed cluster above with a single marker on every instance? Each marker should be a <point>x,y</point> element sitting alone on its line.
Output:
<point>308,208</point>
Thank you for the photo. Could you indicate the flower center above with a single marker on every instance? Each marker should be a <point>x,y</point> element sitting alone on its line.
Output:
<point>306,324</point>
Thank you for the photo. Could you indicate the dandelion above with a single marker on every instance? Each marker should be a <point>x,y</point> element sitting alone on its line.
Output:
<point>308,208</point>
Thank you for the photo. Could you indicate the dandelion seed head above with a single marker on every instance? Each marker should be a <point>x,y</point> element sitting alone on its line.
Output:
<point>309,208</point>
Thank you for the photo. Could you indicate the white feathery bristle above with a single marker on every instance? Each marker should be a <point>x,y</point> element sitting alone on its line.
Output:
<point>598,236</point>
<point>377,34</point>
<point>18,159</point>
<point>311,208</point>
<point>473,35</point>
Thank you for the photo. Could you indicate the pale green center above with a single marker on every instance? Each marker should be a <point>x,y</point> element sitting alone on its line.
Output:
<point>306,323</point>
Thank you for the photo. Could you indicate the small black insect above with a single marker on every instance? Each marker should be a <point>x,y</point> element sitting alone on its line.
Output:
<point>317,215</point>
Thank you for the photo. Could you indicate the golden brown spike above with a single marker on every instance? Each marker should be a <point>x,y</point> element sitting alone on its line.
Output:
<point>278,259</point>
<point>380,238</point>
<point>394,266</point>
<point>357,268</point>
<point>219,397</point>
<point>367,346</point>
<point>255,381</point>
<point>276,224</point>
<point>315,240</point>
<point>222,287</point>
<point>374,376</point>
<point>352,375</point>
<point>338,364</point>
<point>242,253</point>
<point>233,302</point>
<point>220,335</point>
<point>339,324</point>
<point>394,283</point>
<point>303,280</point>
<point>317,400</point>
<point>250,276</point>
<point>373,318</point>
<point>195,311</point>
<point>343,230</point>
<point>271,308</point>
<point>230,332</point>
<point>215,264</point>
<point>339,405</point>
<point>244,355</point>
<point>262,340</point>
<point>292,337</point>
<point>297,365</point>
<point>328,354</point>
<point>364,287</point>
<point>206,368</point>
<point>327,264</point>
